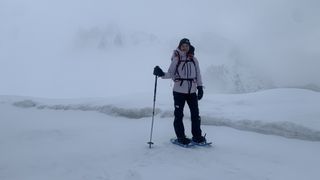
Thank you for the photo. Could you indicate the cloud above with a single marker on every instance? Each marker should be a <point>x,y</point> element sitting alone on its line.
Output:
<point>277,40</point>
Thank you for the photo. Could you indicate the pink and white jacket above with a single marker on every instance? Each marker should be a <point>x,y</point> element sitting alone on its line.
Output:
<point>185,72</point>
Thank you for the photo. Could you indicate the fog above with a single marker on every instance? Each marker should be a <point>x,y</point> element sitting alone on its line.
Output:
<point>96,48</point>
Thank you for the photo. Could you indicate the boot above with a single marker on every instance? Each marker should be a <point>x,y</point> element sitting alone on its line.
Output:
<point>199,139</point>
<point>184,141</point>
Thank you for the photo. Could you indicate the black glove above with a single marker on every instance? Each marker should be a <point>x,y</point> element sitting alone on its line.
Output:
<point>200,92</point>
<point>158,71</point>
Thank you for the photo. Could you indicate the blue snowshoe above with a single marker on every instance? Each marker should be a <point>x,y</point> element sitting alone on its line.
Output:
<point>183,142</point>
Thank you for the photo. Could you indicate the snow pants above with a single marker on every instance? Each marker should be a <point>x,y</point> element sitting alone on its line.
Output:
<point>179,102</point>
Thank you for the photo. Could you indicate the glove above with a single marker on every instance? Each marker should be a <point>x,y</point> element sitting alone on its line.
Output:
<point>200,92</point>
<point>158,71</point>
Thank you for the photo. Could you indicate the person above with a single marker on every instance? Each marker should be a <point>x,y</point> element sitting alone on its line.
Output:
<point>184,70</point>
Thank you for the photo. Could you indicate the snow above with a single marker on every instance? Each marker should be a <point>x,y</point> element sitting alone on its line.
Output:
<point>76,89</point>
<point>291,113</point>
<point>78,139</point>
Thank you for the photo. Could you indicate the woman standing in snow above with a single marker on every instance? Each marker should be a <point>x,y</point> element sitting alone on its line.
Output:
<point>185,72</point>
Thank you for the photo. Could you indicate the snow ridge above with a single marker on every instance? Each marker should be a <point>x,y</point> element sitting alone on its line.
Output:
<point>284,128</point>
<point>132,113</point>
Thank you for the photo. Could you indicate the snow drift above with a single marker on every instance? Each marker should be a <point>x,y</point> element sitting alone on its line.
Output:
<point>244,112</point>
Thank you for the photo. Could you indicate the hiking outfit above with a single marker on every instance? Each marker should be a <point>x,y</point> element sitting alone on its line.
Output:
<point>185,72</point>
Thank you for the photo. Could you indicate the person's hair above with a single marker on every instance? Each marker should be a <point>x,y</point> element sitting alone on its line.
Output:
<point>191,50</point>
<point>184,41</point>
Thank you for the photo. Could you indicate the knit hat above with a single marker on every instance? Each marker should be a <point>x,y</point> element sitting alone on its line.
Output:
<point>184,41</point>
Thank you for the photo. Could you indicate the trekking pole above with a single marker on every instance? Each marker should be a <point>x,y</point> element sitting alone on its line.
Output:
<point>154,105</point>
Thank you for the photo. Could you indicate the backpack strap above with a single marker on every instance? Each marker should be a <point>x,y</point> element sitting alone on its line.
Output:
<point>195,66</point>
<point>176,53</point>
<point>179,62</point>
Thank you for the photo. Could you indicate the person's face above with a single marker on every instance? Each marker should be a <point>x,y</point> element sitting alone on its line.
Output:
<point>184,48</point>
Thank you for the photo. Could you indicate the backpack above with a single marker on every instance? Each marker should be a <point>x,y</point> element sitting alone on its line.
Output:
<point>176,52</point>
<point>177,72</point>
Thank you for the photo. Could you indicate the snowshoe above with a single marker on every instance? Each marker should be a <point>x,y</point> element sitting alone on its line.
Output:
<point>183,142</point>
<point>200,141</point>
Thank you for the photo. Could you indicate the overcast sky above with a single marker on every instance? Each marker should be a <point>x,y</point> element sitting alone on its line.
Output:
<point>279,36</point>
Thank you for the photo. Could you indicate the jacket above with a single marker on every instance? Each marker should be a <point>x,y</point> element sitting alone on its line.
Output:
<point>185,72</point>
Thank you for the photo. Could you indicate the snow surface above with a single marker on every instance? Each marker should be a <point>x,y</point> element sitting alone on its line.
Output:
<point>291,113</point>
<point>88,49</point>
<point>69,139</point>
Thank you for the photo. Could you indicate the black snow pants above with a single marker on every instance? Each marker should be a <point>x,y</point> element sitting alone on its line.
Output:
<point>179,102</point>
